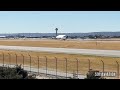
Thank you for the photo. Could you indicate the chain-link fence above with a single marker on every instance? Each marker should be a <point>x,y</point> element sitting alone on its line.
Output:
<point>59,68</point>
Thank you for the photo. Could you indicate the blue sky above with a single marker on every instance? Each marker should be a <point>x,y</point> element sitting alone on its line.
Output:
<point>65,21</point>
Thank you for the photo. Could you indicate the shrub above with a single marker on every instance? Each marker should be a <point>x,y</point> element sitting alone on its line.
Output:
<point>14,73</point>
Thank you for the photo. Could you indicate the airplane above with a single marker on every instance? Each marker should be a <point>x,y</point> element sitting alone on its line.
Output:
<point>61,37</point>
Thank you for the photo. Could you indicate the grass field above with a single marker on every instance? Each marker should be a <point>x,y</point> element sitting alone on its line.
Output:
<point>108,45</point>
<point>83,65</point>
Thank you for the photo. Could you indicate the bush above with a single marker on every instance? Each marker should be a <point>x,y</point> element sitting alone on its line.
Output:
<point>14,73</point>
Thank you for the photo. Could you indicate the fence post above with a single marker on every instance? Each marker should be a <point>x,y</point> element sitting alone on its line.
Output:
<point>9,59</point>
<point>89,64</point>
<point>16,58</point>
<point>46,64</point>
<point>23,60</point>
<point>3,58</point>
<point>77,67</point>
<point>30,63</point>
<point>117,69</point>
<point>103,66</point>
<point>56,66</point>
<point>38,65</point>
<point>66,67</point>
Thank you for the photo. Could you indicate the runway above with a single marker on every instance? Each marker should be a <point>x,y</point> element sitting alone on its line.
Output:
<point>108,53</point>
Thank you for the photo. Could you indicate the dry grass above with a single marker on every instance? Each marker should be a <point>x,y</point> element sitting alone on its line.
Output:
<point>112,45</point>
<point>110,63</point>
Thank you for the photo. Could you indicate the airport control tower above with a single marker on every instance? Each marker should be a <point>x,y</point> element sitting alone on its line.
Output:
<point>56,29</point>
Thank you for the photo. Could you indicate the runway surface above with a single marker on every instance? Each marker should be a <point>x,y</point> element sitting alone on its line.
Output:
<point>108,53</point>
